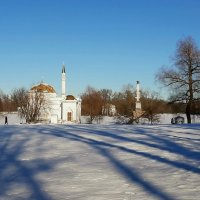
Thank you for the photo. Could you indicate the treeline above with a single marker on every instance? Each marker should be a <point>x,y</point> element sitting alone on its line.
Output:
<point>106,102</point>
<point>97,103</point>
<point>103,102</point>
<point>7,103</point>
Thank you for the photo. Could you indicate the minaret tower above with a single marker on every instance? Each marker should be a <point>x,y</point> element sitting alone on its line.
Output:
<point>138,103</point>
<point>63,82</point>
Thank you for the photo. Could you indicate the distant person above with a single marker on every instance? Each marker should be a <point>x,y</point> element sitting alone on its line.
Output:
<point>6,120</point>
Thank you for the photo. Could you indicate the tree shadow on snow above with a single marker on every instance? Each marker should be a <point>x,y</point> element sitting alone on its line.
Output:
<point>153,141</point>
<point>19,174</point>
<point>109,141</point>
<point>77,133</point>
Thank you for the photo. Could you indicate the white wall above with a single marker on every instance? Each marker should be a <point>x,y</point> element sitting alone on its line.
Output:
<point>69,106</point>
<point>13,118</point>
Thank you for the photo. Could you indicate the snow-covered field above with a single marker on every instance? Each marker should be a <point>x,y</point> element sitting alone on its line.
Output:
<point>99,162</point>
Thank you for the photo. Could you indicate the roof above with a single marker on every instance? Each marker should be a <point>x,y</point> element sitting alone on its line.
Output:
<point>70,97</point>
<point>43,87</point>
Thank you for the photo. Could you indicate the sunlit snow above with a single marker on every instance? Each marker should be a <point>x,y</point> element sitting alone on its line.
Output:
<point>99,162</point>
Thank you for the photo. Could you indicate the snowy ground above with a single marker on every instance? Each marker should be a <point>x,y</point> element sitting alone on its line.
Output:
<point>99,162</point>
<point>14,119</point>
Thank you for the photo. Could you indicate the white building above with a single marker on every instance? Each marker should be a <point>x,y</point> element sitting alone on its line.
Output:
<point>60,108</point>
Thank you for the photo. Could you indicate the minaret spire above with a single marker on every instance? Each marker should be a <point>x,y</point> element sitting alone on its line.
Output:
<point>63,82</point>
<point>63,68</point>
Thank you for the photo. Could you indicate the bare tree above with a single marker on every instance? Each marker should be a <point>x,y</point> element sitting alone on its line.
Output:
<point>184,78</point>
<point>152,105</point>
<point>6,103</point>
<point>92,103</point>
<point>1,101</point>
<point>106,96</point>
<point>31,104</point>
<point>124,102</point>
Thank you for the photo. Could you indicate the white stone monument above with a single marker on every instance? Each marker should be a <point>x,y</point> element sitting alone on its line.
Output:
<point>138,107</point>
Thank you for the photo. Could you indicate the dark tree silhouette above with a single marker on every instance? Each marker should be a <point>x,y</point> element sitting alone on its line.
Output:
<point>184,77</point>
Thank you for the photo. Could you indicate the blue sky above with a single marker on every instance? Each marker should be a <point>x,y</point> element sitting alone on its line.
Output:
<point>103,43</point>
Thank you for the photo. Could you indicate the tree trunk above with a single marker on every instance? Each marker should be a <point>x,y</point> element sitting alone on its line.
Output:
<point>188,112</point>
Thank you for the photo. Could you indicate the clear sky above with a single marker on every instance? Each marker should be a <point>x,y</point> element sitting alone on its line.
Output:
<point>103,43</point>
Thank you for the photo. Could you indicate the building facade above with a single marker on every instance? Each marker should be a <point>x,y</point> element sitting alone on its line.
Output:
<point>59,108</point>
